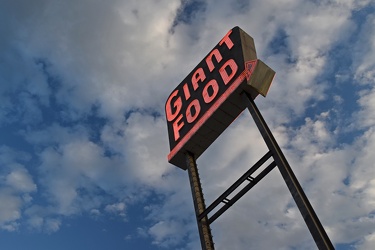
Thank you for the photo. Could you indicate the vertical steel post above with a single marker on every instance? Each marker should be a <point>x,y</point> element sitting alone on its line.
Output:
<point>311,219</point>
<point>199,205</point>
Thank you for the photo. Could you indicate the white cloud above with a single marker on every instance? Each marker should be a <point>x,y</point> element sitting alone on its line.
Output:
<point>10,227</point>
<point>42,219</point>
<point>145,140</point>
<point>141,232</point>
<point>364,52</point>
<point>52,225</point>
<point>368,242</point>
<point>10,207</point>
<point>166,234</point>
<point>95,212</point>
<point>365,117</point>
<point>35,222</point>
<point>122,58</point>
<point>16,186</point>
<point>117,208</point>
<point>20,180</point>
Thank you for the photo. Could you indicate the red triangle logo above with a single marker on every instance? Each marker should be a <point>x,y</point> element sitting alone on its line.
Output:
<point>249,68</point>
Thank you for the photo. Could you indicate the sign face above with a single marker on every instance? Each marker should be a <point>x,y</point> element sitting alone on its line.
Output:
<point>203,105</point>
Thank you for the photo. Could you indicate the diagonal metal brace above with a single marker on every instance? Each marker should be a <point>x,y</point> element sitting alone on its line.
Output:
<point>242,192</point>
<point>235,185</point>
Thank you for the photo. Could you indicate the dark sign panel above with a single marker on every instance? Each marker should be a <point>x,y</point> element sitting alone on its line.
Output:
<point>208,99</point>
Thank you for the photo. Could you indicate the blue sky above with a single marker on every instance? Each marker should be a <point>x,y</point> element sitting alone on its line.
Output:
<point>83,136</point>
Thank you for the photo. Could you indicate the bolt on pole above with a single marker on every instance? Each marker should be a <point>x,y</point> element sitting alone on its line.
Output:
<point>199,205</point>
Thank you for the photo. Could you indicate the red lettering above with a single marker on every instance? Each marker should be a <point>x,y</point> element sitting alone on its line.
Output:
<point>177,104</point>
<point>227,40</point>
<point>215,89</point>
<point>218,57</point>
<point>197,108</point>
<point>198,76</point>
<point>177,127</point>
<point>186,91</point>
<point>223,70</point>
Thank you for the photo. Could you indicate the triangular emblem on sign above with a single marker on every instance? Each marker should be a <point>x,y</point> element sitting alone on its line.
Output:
<point>249,68</point>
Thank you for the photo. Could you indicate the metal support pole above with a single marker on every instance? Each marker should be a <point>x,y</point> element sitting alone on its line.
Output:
<point>311,219</point>
<point>199,205</point>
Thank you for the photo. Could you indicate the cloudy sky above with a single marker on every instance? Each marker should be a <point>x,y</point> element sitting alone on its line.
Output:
<point>83,135</point>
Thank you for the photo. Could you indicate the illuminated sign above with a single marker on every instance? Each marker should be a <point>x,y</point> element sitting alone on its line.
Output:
<point>203,105</point>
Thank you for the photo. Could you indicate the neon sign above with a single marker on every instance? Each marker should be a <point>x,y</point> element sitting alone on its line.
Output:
<point>203,105</point>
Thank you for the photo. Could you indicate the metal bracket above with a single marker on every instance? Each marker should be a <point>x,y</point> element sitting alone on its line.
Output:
<point>245,177</point>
